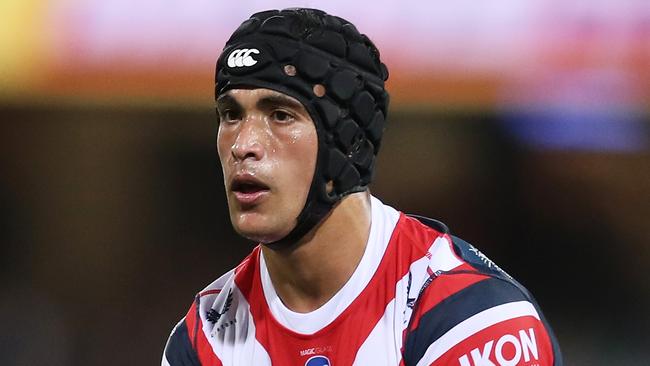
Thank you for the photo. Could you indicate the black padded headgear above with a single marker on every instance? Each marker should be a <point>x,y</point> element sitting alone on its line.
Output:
<point>335,72</point>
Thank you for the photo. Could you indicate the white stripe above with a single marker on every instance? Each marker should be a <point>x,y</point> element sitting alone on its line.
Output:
<point>235,344</point>
<point>442,255</point>
<point>384,220</point>
<point>164,361</point>
<point>475,324</point>
<point>387,334</point>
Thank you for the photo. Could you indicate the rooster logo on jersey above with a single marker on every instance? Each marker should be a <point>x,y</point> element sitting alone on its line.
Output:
<point>214,315</point>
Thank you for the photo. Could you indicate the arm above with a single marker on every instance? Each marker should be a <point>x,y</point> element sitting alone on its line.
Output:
<point>179,350</point>
<point>491,322</point>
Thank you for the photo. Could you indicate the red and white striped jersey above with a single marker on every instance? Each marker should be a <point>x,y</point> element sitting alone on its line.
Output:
<point>418,297</point>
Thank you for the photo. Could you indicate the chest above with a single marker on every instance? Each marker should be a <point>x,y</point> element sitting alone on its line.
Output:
<point>367,333</point>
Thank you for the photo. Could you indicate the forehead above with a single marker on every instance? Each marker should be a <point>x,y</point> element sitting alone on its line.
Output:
<point>249,97</point>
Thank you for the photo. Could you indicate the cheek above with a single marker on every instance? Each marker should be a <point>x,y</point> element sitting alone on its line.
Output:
<point>311,152</point>
<point>306,148</point>
<point>223,145</point>
<point>295,156</point>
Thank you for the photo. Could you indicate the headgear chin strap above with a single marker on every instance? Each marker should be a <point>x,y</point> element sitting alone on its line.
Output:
<point>335,72</point>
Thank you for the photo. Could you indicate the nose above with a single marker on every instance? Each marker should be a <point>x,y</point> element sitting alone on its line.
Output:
<point>249,141</point>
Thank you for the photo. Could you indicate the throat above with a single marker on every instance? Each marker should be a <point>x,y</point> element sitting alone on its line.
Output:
<point>310,274</point>
<point>306,282</point>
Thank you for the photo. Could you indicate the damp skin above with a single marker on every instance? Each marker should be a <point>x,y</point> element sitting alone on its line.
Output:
<point>266,137</point>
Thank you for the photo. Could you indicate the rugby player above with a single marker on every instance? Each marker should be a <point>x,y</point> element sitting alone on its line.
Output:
<point>338,277</point>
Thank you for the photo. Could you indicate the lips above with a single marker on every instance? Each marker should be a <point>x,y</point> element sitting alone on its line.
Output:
<point>248,190</point>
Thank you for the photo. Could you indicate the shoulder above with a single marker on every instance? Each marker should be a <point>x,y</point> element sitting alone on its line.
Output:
<point>183,346</point>
<point>187,344</point>
<point>475,313</point>
<point>179,350</point>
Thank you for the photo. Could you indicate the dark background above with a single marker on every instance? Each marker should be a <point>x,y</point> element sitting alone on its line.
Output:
<point>112,218</point>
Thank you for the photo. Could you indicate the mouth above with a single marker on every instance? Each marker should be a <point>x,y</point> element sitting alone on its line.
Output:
<point>248,190</point>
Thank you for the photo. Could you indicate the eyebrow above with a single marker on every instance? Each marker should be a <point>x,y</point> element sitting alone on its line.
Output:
<point>267,102</point>
<point>280,100</point>
<point>226,100</point>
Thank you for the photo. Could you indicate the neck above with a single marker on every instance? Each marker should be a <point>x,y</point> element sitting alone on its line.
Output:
<point>305,276</point>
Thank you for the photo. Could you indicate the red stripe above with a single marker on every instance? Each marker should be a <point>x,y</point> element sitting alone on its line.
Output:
<point>245,272</point>
<point>247,279</point>
<point>204,349</point>
<point>492,334</point>
<point>441,288</point>
<point>198,339</point>
<point>408,243</point>
<point>190,322</point>
<point>210,292</point>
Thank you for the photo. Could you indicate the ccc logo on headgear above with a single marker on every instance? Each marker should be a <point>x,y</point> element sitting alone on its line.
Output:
<point>242,57</point>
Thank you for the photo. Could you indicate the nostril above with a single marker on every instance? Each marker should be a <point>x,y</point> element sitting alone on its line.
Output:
<point>252,150</point>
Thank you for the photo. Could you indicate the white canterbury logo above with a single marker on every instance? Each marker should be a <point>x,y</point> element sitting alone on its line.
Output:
<point>242,57</point>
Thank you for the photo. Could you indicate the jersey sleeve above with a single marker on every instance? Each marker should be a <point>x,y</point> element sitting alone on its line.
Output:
<point>179,350</point>
<point>490,322</point>
<point>188,345</point>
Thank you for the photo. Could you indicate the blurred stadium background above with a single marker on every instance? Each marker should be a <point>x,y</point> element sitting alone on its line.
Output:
<point>524,125</point>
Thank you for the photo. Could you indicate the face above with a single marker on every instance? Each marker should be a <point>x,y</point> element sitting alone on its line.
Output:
<point>267,145</point>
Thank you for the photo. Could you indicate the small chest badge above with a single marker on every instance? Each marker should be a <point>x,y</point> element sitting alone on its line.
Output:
<point>318,361</point>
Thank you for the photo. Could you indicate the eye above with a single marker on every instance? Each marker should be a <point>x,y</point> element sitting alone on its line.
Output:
<point>282,116</point>
<point>229,115</point>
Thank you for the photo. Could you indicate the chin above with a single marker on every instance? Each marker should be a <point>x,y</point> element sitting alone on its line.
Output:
<point>258,230</point>
<point>259,236</point>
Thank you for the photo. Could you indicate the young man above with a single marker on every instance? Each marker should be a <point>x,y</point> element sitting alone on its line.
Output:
<point>338,277</point>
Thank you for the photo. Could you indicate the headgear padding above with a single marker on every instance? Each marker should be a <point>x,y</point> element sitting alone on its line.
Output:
<point>335,72</point>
